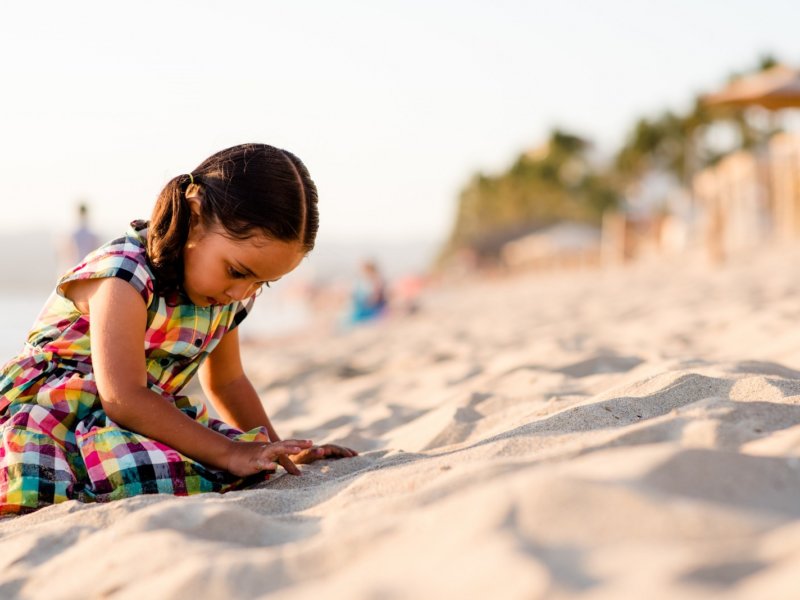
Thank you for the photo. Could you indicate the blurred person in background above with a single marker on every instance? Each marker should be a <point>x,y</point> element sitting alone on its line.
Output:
<point>369,299</point>
<point>81,241</point>
<point>84,240</point>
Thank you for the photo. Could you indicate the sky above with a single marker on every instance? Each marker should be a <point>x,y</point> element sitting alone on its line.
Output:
<point>392,105</point>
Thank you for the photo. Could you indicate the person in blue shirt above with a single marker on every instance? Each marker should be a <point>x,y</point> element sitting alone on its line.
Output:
<point>369,300</point>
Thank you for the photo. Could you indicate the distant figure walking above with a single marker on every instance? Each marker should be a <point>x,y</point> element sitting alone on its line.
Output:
<point>83,239</point>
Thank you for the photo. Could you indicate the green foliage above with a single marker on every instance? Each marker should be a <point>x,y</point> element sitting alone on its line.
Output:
<point>678,143</point>
<point>552,184</point>
<point>558,182</point>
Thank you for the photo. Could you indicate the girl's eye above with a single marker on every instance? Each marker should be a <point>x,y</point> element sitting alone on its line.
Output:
<point>236,274</point>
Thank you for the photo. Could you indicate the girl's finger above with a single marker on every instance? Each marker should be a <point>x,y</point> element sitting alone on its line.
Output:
<point>301,443</point>
<point>290,467</point>
<point>286,447</point>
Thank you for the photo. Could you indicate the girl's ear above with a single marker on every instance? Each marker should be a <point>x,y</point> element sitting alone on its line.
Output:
<point>194,205</point>
<point>195,222</point>
<point>193,190</point>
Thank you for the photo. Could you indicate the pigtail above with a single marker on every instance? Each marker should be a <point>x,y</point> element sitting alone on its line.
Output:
<point>168,233</point>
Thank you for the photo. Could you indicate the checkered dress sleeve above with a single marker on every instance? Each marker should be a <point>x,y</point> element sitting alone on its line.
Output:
<point>122,258</point>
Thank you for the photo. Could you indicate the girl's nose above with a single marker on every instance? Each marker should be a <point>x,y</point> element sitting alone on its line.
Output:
<point>241,291</point>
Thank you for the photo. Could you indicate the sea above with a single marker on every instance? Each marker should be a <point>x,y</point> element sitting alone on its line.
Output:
<point>30,265</point>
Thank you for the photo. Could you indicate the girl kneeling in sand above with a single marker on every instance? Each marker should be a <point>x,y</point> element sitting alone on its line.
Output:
<point>91,408</point>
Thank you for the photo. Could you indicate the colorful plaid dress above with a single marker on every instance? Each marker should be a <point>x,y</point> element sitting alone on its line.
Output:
<point>57,442</point>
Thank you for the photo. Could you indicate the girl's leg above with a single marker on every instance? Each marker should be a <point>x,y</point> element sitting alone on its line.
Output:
<point>121,463</point>
<point>34,470</point>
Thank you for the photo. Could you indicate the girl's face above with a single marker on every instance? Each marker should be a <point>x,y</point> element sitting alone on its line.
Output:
<point>221,270</point>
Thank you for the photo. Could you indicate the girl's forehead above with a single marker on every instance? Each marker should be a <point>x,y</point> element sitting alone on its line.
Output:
<point>255,239</point>
<point>264,257</point>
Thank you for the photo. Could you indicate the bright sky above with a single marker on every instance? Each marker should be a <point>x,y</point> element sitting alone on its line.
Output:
<point>391,104</point>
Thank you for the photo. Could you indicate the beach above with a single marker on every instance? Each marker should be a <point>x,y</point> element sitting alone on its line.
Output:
<point>620,433</point>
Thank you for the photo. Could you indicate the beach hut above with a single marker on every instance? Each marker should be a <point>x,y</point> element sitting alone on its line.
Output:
<point>784,184</point>
<point>743,187</point>
<point>565,244</point>
<point>774,89</point>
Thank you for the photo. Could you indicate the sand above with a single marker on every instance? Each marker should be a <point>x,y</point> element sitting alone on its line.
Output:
<point>628,433</point>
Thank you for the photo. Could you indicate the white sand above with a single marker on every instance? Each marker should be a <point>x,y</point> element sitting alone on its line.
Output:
<point>627,434</point>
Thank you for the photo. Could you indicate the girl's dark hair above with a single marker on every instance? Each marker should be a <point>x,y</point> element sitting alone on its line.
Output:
<point>247,189</point>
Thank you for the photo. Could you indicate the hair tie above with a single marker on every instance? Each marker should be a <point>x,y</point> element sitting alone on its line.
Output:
<point>191,179</point>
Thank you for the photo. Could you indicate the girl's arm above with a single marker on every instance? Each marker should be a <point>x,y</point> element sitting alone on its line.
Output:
<point>237,402</point>
<point>118,323</point>
<point>226,385</point>
<point>230,391</point>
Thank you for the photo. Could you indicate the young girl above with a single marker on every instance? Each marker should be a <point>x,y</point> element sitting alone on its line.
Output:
<point>91,408</point>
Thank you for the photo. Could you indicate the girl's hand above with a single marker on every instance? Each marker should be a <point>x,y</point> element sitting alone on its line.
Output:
<point>248,458</point>
<point>309,455</point>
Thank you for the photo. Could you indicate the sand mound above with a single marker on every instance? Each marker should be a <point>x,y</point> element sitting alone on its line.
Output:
<point>625,434</point>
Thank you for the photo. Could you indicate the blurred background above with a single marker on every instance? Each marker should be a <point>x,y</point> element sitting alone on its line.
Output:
<point>448,140</point>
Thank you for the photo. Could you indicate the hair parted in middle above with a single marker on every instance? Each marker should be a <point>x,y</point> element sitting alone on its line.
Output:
<point>246,190</point>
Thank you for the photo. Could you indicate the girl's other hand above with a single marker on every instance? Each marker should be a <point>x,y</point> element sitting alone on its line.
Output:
<point>309,455</point>
<point>248,458</point>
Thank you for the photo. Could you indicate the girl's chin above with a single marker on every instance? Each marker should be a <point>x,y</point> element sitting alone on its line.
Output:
<point>201,300</point>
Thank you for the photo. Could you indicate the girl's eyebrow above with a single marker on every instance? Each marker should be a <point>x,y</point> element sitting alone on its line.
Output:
<point>247,270</point>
